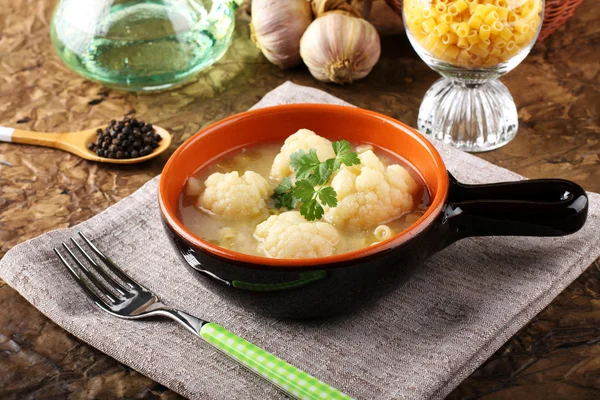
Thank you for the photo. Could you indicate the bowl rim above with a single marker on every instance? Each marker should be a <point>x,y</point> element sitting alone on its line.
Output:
<point>438,202</point>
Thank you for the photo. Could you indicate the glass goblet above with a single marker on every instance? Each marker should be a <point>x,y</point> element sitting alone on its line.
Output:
<point>471,43</point>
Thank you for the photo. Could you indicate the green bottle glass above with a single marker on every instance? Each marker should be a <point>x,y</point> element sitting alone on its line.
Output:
<point>142,45</point>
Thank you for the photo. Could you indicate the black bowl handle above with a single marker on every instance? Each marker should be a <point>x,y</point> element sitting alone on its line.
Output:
<point>539,207</point>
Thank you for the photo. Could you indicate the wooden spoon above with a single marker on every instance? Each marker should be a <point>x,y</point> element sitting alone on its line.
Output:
<point>77,142</point>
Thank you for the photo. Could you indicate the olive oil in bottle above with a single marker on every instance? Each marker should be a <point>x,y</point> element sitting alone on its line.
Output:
<point>144,44</point>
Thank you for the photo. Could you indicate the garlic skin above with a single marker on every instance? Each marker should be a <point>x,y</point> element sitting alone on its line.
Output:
<point>356,8</point>
<point>340,48</point>
<point>277,27</point>
<point>363,7</point>
<point>384,19</point>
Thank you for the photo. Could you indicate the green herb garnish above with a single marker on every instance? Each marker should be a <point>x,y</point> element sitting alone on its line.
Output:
<point>304,164</point>
<point>283,194</point>
<point>313,199</point>
<point>344,155</point>
<point>311,172</point>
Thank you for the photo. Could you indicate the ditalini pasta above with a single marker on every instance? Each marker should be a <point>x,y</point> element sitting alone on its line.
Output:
<point>382,232</point>
<point>473,33</point>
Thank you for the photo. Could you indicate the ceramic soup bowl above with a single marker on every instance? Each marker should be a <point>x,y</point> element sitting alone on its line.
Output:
<point>305,288</point>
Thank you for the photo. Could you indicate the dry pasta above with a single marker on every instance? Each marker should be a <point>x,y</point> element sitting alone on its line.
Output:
<point>473,33</point>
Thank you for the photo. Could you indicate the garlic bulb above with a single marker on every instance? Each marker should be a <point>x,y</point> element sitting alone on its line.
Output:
<point>277,27</point>
<point>384,19</point>
<point>340,48</point>
<point>357,8</point>
<point>363,7</point>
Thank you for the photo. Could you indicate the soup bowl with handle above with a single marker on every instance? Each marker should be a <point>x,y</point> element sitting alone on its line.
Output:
<point>324,286</point>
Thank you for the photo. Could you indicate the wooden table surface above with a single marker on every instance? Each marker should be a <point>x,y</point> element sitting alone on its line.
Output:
<point>556,356</point>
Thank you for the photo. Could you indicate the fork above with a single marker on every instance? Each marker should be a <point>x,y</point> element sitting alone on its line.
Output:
<point>127,299</point>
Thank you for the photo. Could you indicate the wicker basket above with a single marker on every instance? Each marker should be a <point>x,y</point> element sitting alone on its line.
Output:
<point>556,14</point>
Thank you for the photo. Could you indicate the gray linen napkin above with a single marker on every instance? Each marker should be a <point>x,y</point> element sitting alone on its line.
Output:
<point>419,342</point>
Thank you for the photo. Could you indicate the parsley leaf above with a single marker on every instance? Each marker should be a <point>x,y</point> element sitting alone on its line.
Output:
<point>327,196</point>
<point>285,185</point>
<point>283,194</point>
<point>343,155</point>
<point>304,191</point>
<point>322,173</point>
<point>312,210</point>
<point>311,172</point>
<point>342,147</point>
<point>313,199</point>
<point>307,165</point>
<point>304,163</point>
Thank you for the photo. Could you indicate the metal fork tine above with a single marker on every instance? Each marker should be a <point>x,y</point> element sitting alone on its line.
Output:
<point>99,302</point>
<point>99,285</point>
<point>111,265</point>
<point>116,285</point>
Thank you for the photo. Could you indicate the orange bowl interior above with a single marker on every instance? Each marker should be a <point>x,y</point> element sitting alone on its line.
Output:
<point>277,123</point>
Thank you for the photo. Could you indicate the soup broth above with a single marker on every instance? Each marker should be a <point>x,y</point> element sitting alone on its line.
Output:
<point>238,235</point>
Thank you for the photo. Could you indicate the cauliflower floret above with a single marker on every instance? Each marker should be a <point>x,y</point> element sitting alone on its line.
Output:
<point>305,140</point>
<point>235,197</point>
<point>289,235</point>
<point>370,194</point>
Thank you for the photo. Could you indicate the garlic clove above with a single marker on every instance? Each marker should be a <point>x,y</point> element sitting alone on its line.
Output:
<point>339,48</point>
<point>277,27</point>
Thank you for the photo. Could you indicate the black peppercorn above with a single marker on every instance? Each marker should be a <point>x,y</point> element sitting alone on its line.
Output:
<point>127,138</point>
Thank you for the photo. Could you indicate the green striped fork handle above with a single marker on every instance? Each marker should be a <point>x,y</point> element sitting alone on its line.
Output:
<point>288,378</point>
